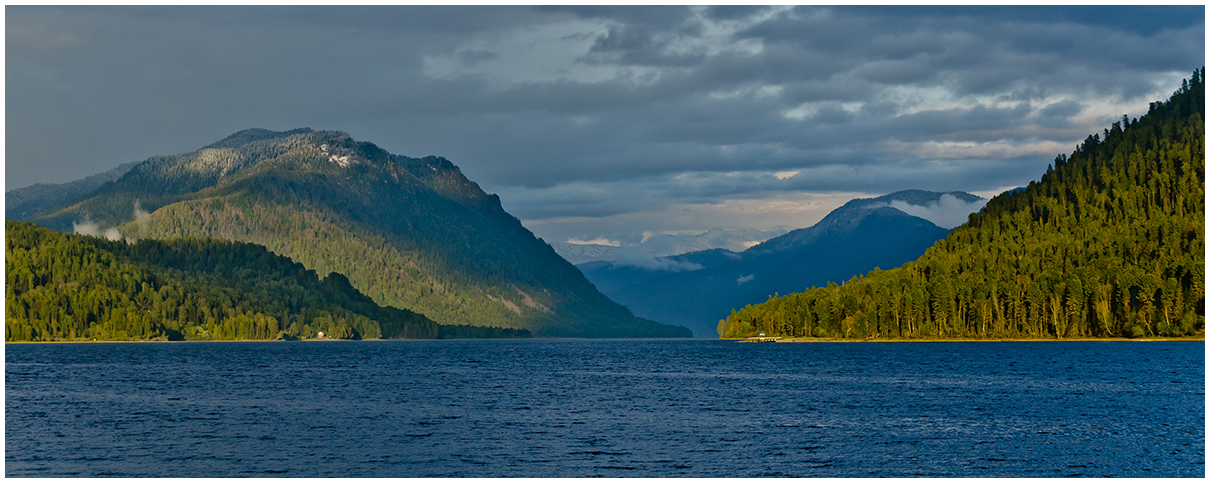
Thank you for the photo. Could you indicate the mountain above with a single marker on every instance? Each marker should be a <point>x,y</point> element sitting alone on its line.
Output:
<point>74,287</point>
<point>853,239</point>
<point>21,203</point>
<point>409,233</point>
<point>639,248</point>
<point>1110,242</point>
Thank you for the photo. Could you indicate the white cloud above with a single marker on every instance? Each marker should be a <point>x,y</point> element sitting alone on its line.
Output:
<point>140,216</point>
<point>947,212</point>
<point>85,227</point>
<point>811,109</point>
<point>598,241</point>
<point>744,279</point>
<point>972,150</point>
<point>637,259</point>
<point>789,209</point>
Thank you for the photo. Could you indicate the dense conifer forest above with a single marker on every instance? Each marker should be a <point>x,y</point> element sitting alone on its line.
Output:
<point>74,287</point>
<point>1109,243</point>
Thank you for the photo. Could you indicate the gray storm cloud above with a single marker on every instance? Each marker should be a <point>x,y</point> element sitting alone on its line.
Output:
<point>574,113</point>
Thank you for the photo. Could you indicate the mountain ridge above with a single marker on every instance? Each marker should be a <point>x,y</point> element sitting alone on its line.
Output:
<point>868,231</point>
<point>22,203</point>
<point>412,233</point>
<point>851,213</point>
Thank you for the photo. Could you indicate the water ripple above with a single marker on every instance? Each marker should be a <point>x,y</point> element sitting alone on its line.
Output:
<point>615,408</point>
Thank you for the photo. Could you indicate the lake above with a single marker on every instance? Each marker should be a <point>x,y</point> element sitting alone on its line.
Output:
<point>613,408</point>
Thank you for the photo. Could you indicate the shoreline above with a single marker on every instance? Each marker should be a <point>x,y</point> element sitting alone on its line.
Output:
<point>174,341</point>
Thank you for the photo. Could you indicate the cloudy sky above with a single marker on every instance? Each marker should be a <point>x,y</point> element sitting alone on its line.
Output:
<point>603,122</point>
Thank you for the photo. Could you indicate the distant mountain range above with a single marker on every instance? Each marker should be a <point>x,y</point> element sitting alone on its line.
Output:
<point>409,233</point>
<point>22,203</point>
<point>642,248</point>
<point>698,289</point>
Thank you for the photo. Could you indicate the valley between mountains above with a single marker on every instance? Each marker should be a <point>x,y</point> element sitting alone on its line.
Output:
<point>320,232</point>
<point>697,289</point>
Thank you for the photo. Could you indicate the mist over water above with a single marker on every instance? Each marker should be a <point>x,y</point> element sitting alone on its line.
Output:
<point>616,408</point>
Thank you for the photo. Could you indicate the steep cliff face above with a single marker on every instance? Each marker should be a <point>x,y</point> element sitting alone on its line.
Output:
<point>412,233</point>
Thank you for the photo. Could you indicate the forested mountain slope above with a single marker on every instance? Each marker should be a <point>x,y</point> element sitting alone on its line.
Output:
<point>1110,242</point>
<point>863,234</point>
<point>75,287</point>
<point>410,233</point>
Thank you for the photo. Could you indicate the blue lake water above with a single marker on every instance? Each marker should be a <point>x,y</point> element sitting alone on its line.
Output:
<point>615,408</point>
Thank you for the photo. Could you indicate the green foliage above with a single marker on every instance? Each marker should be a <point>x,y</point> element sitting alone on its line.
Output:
<point>1109,243</point>
<point>72,287</point>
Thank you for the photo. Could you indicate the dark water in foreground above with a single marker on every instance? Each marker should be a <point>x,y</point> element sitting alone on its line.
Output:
<point>571,408</point>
